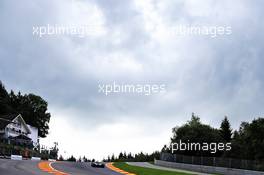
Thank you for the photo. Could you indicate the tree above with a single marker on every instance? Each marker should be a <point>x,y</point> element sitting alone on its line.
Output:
<point>85,159</point>
<point>72,159</point>
<point>112,158</point>
<point>195,120</point>
<point>248,142</point>
<point>129,156</point>
<point>125,155</point>
<point>3,92</point>
<point>196,132</point>
<point>61,158</point>
<point>5,107</point>
<point>225,130</point>
<point>121,156</point>
<point>33,109</point>
<point>165,149</point>
<point>54,151</point>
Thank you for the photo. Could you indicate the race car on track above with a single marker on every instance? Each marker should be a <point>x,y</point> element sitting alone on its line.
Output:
<point>98,164</point>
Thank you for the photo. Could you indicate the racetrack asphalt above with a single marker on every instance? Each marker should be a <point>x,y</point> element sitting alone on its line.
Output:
<point>29,167</point>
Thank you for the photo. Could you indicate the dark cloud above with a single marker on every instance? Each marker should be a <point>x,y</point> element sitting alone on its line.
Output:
<point>210,76</point>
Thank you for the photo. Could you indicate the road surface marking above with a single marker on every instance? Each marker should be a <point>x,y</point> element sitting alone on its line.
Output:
<point>46,166</point>
<point>112,167</point>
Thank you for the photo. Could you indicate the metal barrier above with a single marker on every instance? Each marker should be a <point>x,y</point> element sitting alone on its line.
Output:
<point>214,161</point>
<point>207,169</point>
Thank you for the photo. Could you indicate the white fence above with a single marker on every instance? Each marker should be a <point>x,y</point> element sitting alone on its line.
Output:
<point>36,158</point>
<point>16,157</point>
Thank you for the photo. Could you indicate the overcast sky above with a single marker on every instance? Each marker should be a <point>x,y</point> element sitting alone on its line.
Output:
<point>133,42</point>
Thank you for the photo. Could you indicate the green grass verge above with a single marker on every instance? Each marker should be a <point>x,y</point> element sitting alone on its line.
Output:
<point>145,171</point>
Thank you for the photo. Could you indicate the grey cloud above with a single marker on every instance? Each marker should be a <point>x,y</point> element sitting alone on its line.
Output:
<point>213,77</point>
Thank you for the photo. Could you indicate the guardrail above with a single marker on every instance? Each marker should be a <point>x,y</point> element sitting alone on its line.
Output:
<point>207,169</point>
<point>214,161</point>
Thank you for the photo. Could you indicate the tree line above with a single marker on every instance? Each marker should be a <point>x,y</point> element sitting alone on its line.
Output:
<point>139,157</point>
<point>122,157</point>
<point>32,107</point>
<point>73,159</point>
<point>246,143</point>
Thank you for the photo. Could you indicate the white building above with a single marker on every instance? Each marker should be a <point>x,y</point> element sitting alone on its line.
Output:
<point>14,130</point>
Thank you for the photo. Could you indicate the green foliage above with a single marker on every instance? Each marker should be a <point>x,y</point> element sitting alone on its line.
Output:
<point>32,107</point>
<point>166,149</point>
<point>225,130</point>
<point>85,159</point>
<point>140,157</point>
<point>61,158</point>
<point>71,159</point>
<point>4,100</point>
<point>248,142</point>
<point>196,132</point>
<point>54,151</point>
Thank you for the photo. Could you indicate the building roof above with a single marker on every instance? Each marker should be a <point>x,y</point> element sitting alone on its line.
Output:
<point>6,119</point>
<point>22,137</point>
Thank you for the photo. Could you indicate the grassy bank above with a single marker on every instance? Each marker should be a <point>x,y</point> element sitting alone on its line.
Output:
<point>144,171</point>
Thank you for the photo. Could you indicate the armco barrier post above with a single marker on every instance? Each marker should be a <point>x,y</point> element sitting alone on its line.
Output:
<point>214,164</point>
